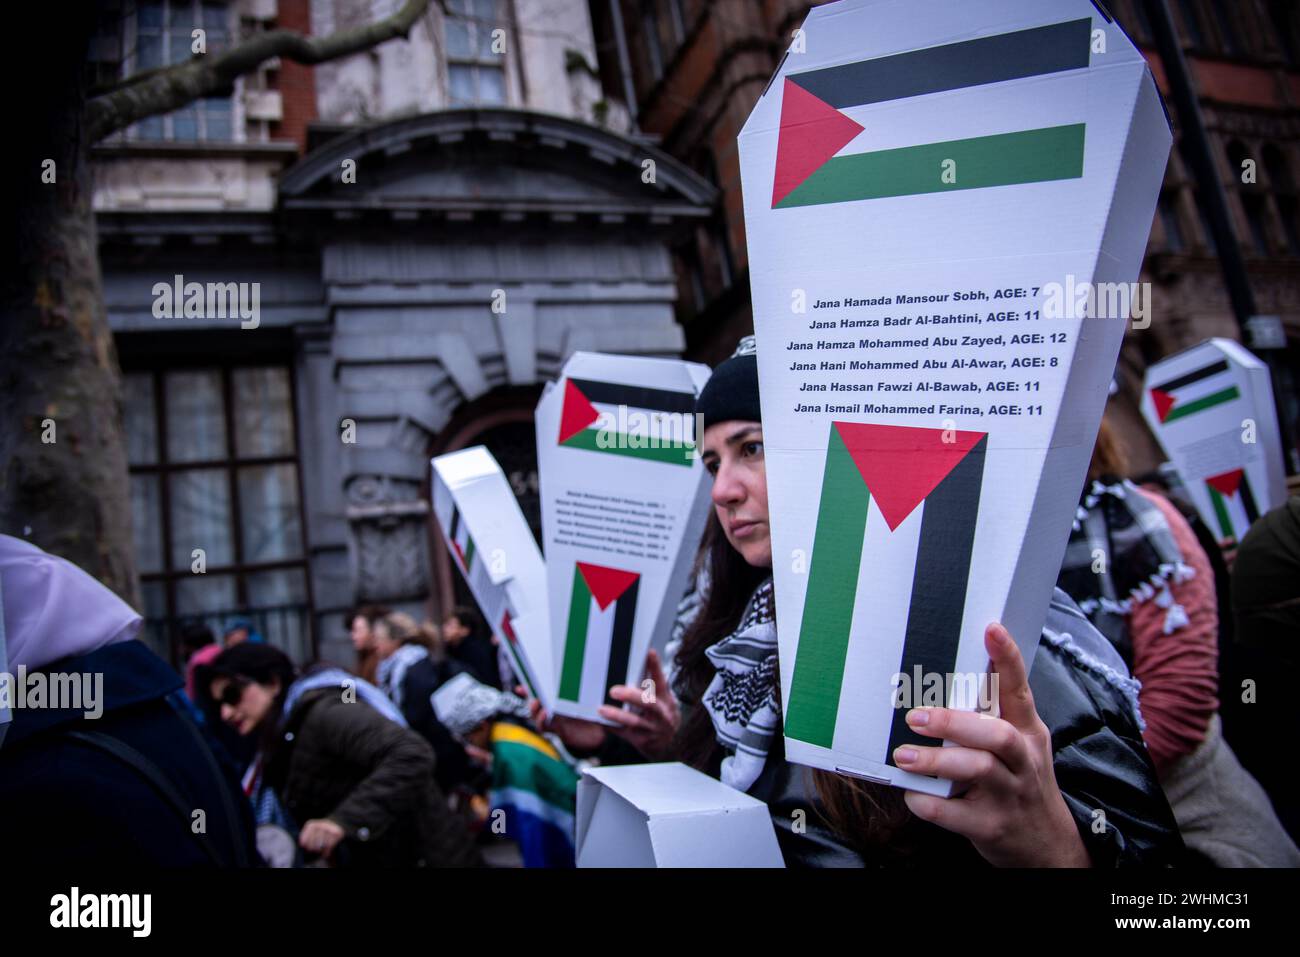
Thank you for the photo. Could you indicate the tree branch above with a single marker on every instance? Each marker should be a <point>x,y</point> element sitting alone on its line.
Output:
<point>173,87</point>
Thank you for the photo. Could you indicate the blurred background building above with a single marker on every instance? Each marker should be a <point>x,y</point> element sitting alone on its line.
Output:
<point>436,224</point>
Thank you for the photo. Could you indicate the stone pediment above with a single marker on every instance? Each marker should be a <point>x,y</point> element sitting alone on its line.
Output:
<point>506,162</point>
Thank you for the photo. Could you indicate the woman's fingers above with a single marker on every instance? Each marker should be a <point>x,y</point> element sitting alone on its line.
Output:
<point>1015,700</point>
<point>626,720</point>
<point>968,765</point>
<point>968,818</point>
<point>654,670</point>
<point>627,694</point>
<point>971,730</point>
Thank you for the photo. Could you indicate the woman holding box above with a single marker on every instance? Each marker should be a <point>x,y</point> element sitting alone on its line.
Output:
<point>1060,779</point>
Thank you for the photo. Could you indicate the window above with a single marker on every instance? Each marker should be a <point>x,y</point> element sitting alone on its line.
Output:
<point>214,466</point>
<point>653,46</point>
<point>476,75</point>
<point>1193,32</point>
<point>160,35</point>
<point>1282,13</point>
<point>1168,208</point>
<point>1283,187</point>
<point>1229,43</point>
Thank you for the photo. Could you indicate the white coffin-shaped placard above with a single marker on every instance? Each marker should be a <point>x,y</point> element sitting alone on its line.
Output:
<point>1211,408</point>
<point>492,545</point>
<point>932,189</point>
<point>624,498</point>
<point>670,815</point>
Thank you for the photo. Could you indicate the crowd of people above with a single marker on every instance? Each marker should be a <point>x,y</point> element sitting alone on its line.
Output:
<point>1143,734</point>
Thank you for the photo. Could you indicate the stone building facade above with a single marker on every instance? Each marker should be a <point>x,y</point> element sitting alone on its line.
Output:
<point>426,232</point>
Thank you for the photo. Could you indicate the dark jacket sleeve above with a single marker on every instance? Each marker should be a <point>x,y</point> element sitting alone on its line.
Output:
<point>400,764</point>
<point>1101,762</point>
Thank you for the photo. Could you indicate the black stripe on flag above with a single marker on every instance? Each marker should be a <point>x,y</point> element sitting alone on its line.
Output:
<point>954,66</point>
<point>939,584</point>
<point>636,397</point>
<point>620,649</point>
<point>455,522</point>
<point>1248,501</point>
<point>1204,373</point>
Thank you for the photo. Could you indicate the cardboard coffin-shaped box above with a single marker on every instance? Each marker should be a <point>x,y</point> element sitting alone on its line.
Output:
<point>669,815</point>
<point>946,204</point>
<point>492,545</point>
<point>1211,409</point>
<point>624,498</point>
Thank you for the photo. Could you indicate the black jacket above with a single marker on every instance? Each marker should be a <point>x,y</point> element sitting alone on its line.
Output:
<point>120,790</point>
<point>421,680</point>
<point>1100,760</point>
<point>344,761</point>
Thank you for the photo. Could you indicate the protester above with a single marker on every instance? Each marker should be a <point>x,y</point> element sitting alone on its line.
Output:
<point>411,668</point>
<point>467,639</point>
<point>360,623</point>
<point>339,762</point>
<point>198,647</point>
<point>1266,604</point>
<point>1066,746</point>
<point>533,786</point>
<point>240,630</point>
<point>115,777</point>
<point>1137,571</point>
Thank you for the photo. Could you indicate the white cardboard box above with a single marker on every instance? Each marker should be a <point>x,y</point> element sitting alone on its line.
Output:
<point>927,186</point>
<point>624,499</point>
<point>494,548</point>
<point>670,815</point>
<point>1211,409</point>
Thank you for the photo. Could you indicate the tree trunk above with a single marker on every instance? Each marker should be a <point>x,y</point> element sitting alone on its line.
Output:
<point>63,472</point>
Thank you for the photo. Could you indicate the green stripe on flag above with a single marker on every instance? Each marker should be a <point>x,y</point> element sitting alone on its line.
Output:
<point>828,605</point>
<point>1003,159</point>
<point>524,768</point>
<point>575,642</point>
<point>1221,512</point>
<point>519,667</point>
<point>1203,403</point>
<point>619,443</point>
<point>469,552</point>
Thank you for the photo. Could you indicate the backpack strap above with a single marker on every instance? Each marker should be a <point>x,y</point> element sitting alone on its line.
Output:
<point>149,771</point>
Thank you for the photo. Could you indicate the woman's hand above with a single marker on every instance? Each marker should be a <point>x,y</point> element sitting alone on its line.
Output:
<point>651,724</point>
<point>579,736</point>
<point>320,836</point>
<point>649,729</point>
<point>1012,811</point>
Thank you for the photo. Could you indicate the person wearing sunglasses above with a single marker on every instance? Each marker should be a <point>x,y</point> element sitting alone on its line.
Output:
<point>336,756</point>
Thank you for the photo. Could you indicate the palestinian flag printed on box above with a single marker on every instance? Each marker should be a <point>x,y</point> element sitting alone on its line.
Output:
<point>1233,501</point>
<point>628,420</point>
<point>491,598</point>
<point>818,121</point>
<point>1205,388</point>
<point>598,639</point>
<point>877,479</point>
<point>462,545</point>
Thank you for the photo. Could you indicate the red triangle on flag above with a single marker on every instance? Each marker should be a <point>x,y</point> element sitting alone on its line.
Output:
<point>903,465</point>
<point>1163,402</point>
<point>1227,483</point>
<point>606,584</point>
<point>577,412</point>
<point>812,131</point>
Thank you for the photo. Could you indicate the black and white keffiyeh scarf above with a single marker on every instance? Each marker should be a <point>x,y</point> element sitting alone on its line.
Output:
<point>392,670</point>
<point>742,697</point>
<point>1122,554</point>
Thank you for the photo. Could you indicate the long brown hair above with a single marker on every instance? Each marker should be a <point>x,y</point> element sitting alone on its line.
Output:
<point>864,814</point>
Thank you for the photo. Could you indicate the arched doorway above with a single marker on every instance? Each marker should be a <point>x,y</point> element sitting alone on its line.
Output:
<point>502,421</point>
